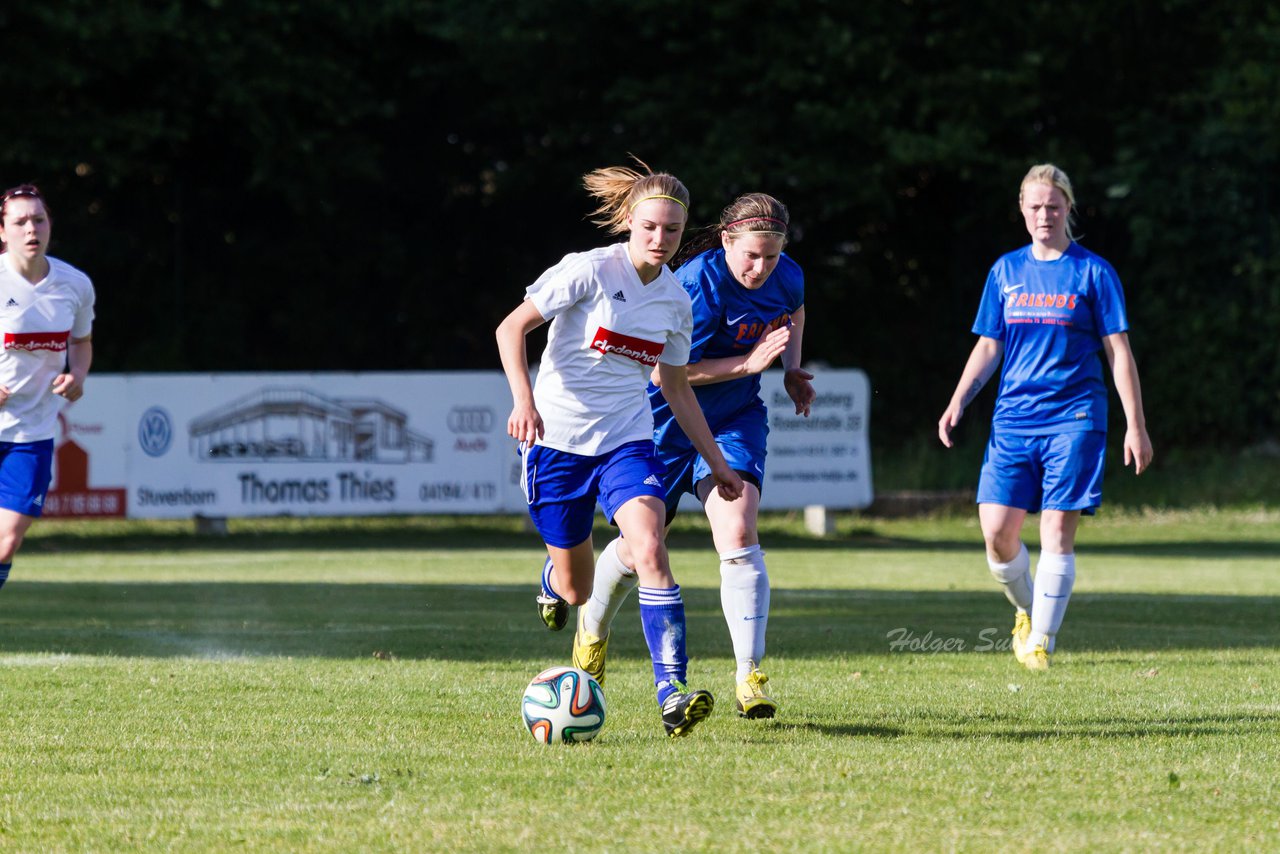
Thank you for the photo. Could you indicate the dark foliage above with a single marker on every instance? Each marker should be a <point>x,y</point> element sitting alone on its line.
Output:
<point>278,185</point>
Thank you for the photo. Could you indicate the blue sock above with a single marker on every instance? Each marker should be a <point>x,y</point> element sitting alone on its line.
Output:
<point>662,616</point>
<point>4,572</point>
<point>546,580</point>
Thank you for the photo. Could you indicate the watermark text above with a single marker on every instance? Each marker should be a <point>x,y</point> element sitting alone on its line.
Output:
<point>987,640</point>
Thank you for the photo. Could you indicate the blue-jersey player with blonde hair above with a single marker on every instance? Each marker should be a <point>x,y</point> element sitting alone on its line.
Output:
<point>1049,311</point>
<point>748,311</point>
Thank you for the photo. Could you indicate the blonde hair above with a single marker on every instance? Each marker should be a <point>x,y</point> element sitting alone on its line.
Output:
<point>1047,173</point>
<point>621,188</point>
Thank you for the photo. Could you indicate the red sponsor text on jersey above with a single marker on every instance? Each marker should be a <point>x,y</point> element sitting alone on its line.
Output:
<point>750,333</point>
<point>32,341</point>
<point>642,351</point>
<point>1025,300</point>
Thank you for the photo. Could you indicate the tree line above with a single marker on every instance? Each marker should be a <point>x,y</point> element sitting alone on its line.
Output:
<point>277,185</point>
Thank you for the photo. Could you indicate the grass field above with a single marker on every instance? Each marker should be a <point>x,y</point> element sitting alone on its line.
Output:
<point>353,686</point>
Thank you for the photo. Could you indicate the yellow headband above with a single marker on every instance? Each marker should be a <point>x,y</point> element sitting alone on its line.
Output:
<point>661,196</point>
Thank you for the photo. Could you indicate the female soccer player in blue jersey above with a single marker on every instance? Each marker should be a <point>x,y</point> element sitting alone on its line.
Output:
<point>46,323</point>
<point>748,310</point>
<point>1048,310</point>
<point>585,427</point>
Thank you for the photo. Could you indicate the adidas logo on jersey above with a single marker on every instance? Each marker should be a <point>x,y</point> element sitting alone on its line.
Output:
<point>11,303</point>
<point>620,297</point>
<point>652,480</point>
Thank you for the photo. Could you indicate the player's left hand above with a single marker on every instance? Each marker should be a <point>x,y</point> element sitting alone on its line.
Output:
<point>1137,449</point>
<point>796,382</point>
<point>69,386</point>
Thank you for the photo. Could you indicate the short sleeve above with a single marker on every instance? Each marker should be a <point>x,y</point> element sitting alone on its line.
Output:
<point>82,326</point>
<point>990,320</point>
<point>795,284</point>
<point>1109,315</point>
<point>706,311</point>
<point>561,286</point>
<point>677,347</point>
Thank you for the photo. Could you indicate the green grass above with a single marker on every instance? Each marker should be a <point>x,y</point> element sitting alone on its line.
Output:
<point>353,685</point>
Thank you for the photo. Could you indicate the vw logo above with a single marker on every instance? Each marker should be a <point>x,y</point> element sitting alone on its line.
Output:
<point>155,431</point>
<point>470,419</point>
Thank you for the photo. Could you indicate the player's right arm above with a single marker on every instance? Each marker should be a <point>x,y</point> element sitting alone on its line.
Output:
<point>754,361</point>
<point>707,309</point>
<point>524,423</point>
<point>981,365</point>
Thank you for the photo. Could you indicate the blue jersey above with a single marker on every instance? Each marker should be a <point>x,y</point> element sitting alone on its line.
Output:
<point>728,320</point>
<point>1051,317</point>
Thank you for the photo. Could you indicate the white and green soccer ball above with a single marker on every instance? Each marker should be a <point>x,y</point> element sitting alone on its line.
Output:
<point>563,705</point>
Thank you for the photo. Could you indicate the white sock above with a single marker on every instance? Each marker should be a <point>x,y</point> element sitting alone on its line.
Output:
<point>1016,578</point>
<point>744,596</point>
<point>613,581</point>
<point>1055,576</point>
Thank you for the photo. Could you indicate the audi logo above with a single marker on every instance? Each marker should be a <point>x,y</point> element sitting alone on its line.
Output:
<point>471,419</point>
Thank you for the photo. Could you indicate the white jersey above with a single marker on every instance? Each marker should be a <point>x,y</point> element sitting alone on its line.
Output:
<point>36,322</point>
<point>608,332</point>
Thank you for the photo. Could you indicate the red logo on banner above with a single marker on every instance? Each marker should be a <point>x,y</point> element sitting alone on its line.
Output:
<point>71,494</point>
<point>56,341</point>
<point>608,341</point>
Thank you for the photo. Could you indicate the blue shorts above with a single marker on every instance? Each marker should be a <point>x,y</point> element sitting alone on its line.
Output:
<point>1059,472</point>
<point>25,471</point>
<point>741,441</point>
<point>562,488</point>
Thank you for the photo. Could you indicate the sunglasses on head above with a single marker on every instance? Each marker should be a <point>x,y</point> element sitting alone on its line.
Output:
<point>25,191</point>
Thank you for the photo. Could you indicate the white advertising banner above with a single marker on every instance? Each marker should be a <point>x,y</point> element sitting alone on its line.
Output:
<point>178,445</point>
<point>825,458</point>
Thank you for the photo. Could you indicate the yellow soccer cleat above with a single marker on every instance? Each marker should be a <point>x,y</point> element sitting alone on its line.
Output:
<point>588,651</point>
<point>1021,634</point>
<point>1037,658</point>
<point>751,699</point>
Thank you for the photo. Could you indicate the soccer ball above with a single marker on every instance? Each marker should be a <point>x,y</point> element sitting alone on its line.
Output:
<point>563,704</point>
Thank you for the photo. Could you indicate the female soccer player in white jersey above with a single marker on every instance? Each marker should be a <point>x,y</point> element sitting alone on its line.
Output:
<point>46,317</point>
<point>748,309</point>
<point>1048,310</point>
<point>585,427</point>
